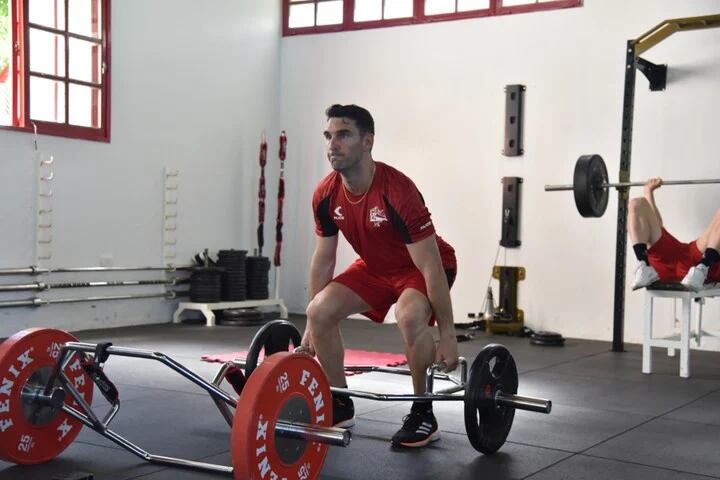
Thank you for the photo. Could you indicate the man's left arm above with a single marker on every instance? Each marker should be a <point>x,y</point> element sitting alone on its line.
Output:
<point>426,257</point>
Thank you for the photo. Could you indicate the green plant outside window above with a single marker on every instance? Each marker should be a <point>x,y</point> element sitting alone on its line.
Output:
<point>5,41</point>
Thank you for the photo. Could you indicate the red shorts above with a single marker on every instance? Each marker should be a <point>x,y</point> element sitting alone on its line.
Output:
<point>672,259</point>
<point>382,291</point>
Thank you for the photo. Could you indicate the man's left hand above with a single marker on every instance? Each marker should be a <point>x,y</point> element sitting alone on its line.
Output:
<point>447,352</point>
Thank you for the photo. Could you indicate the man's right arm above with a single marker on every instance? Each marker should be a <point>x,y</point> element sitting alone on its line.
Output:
<point>649,191</point>
<point>322,268</point>
<point>322,265</point>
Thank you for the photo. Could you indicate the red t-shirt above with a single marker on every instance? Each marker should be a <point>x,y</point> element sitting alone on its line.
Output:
<point>391,215</point>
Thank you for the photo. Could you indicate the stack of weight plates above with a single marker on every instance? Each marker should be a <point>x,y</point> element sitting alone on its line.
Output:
<point>205,284</point>
<point>547,339</point>
<point>241,316</point>
<point>257,277</point>
<point>233,284</point>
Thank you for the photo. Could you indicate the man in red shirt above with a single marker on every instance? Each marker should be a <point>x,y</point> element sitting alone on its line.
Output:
<point>402,261</point>
<point>661,256</point>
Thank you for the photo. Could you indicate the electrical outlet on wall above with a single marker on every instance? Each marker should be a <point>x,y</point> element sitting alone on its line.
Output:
<point>106,260</point>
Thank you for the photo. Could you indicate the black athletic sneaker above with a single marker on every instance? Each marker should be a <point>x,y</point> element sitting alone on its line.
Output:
<point>418,430</point>
<point>343,411</point>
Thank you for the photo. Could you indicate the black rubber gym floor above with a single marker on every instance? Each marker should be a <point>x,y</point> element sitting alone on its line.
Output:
<point>608,419</point>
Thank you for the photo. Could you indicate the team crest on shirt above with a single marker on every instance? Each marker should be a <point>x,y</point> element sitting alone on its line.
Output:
<point>377,216</point>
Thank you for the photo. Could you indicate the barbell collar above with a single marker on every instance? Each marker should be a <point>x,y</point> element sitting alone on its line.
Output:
<point>19,287</point>
<point>338,437</point>
<point>54,399</point>
<point>520,402</point>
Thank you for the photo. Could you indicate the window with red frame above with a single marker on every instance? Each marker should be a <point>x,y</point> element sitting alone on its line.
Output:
<point>55,67</point>
<point>316,16</point>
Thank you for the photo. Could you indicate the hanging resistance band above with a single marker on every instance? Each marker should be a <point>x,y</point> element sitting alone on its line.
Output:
<point>281,198</point>
<point>261,196</point>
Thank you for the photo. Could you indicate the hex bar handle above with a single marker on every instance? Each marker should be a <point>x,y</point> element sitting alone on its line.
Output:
<point>559,188</point>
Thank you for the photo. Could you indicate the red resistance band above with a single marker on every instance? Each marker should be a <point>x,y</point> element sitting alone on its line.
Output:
<point>281,199</point>
<point>261,196</point>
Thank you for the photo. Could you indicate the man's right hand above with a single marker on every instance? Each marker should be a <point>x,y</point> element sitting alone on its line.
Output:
<point>651,185</point>
<point>306,344</point>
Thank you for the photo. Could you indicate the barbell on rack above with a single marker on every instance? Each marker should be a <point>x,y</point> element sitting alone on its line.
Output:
<point>34,270</point>
<point>41,286</point>
<point>590,185</point>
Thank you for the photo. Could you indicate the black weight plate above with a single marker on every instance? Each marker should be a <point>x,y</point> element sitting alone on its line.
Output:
<point>543,335</point>
<point>259,296</point>
<point>241,322</point>
<point>232,253</point>
<point>591,198</point>
<point>486,424</point>
<point>273,337</point>
<point>241,313</point>
<point>548,343</point>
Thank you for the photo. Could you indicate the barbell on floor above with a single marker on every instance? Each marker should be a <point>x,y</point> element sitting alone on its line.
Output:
<point>590,185</point>
<point>490,390</point>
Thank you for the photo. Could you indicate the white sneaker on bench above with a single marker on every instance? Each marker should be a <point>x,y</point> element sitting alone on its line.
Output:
<point>644,275</point>
<point>695,278</point>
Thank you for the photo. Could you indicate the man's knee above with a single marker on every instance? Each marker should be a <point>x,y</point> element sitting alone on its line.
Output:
<point>320,311</point>
<point>412,319</point>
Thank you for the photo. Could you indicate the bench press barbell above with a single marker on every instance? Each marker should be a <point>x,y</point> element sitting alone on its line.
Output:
<point>590,185</point>
<point>282,417</point>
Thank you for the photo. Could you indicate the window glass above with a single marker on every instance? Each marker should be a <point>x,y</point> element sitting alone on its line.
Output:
<point>513,3</point>
<point>84,106</point>
<point>47,100</point>
<point>47,53</point>
<point>398,9</point>
<point>330,13</point>
<point>468,5</point>
<point>85,17</point>
<point>436,7</point>
<point>85,60</point>
<point>48,13</point>
<point>366,10</point>
<point>302,15</point>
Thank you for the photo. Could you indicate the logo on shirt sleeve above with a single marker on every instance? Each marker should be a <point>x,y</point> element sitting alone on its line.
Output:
<point>338,214</point>
<point>377,216</point>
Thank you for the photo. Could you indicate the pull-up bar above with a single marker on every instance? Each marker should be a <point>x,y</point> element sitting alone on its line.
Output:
<point>663,30</point>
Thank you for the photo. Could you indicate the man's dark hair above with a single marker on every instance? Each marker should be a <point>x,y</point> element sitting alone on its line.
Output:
<point>362,117</point>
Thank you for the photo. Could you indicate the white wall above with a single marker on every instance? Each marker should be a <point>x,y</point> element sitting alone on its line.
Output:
<point>436,92</point>
<point>193,87</point>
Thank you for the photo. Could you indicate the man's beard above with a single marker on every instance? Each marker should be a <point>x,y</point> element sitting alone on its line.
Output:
<point>344,164</point>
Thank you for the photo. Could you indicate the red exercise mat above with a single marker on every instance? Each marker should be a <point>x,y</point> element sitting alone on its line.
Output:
<point>352,358</point>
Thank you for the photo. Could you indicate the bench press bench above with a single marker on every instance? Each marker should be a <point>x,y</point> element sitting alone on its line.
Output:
<point>681,341</point>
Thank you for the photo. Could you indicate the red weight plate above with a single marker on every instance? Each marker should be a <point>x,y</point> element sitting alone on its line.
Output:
<point>281,378</point>
<point>30,433</point>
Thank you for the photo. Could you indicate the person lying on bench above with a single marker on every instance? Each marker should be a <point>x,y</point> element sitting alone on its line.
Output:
<point>662,257</point>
